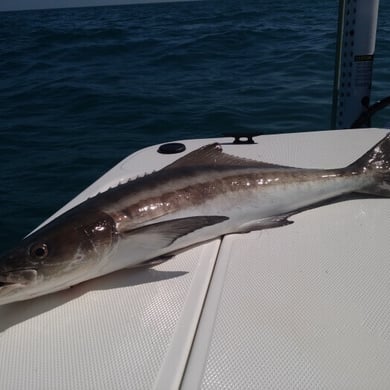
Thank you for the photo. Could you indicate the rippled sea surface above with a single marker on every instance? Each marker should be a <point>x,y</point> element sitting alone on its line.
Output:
<point>80,89</point>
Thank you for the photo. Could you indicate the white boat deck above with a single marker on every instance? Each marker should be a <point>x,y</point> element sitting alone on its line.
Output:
<point>301,306</point>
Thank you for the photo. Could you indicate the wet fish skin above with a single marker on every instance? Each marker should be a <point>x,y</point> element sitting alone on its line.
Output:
<point>202,195</point>
<point>50,257</point>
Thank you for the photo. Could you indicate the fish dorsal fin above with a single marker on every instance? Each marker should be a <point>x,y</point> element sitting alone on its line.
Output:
<point>212,156</point>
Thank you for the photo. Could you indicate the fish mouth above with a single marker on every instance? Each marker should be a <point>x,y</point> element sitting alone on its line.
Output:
<point>19,277</point>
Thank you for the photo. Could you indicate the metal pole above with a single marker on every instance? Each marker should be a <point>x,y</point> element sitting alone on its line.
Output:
<point>354,60</point>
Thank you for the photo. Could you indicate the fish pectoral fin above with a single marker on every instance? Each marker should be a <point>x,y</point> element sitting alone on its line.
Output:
<point>266,223</point>
<point>163,234</point>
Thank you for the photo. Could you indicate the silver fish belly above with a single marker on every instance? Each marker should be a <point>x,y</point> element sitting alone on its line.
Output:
<point>203,195</point>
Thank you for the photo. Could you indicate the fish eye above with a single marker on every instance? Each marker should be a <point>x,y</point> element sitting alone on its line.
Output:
<point>39,251</point>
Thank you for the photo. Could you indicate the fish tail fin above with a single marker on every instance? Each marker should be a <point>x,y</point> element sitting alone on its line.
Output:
<point>376,162</point>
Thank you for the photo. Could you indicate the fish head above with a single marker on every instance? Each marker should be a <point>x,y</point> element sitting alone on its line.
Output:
<point>57,256</point>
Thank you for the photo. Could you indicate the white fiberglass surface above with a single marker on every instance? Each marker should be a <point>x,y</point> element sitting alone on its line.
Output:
<point>307,305</point>
<point>303,307</point>
<point>131,329</point>
<point>115,332</point>
<point>297,306</point>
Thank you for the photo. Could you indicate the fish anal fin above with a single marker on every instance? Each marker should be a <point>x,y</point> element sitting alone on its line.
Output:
<point>266,223</point>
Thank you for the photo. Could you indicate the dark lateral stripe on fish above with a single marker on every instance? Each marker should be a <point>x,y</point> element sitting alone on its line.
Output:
<point>168,202</point>
<point>201,196</point>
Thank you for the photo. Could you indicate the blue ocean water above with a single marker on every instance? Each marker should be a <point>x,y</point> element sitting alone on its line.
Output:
<point>80,89</point>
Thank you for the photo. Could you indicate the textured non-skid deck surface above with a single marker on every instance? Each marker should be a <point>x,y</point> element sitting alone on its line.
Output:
<point>132,329</point>
<point>129,330</point>
<point>302,306</point>
<point>306,306</point>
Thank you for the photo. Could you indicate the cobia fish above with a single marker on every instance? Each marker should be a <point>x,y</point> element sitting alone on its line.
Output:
<point>203,195</point>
